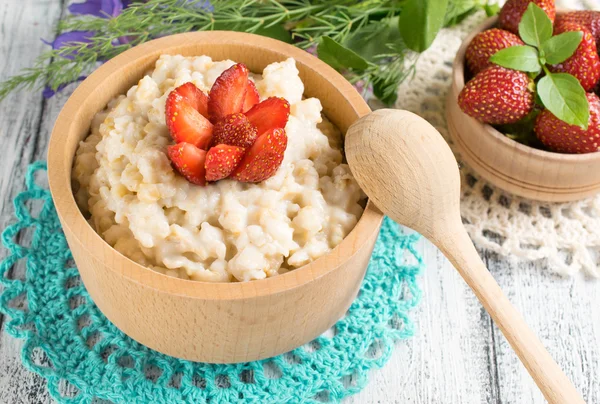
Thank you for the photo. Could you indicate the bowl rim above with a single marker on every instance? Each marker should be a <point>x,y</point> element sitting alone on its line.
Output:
<point>458,82</point>
<point>74,222</point>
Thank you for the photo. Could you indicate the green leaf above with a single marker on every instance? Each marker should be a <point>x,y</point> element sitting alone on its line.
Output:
<point>562,95</point>
<point>561,47</point>
<point>522,58</point>
<point>458,10</point>
<point>276,32</point>
<point>374,40</point>
<point>535,26</point>
<point>338,56</point>
<point>420,22</point>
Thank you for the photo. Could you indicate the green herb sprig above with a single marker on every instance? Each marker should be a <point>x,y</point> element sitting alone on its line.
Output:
<point>372,41</point>
<point>560,93</point>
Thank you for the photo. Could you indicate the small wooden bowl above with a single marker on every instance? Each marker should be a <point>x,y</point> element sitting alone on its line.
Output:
<point>514,167</point>
<point>210,322</point>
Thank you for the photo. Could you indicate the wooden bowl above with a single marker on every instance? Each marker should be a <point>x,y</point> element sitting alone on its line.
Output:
<point>512,166</point>
<point>210,322</point>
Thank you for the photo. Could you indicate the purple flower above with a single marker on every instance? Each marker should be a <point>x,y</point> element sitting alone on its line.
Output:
<point>203,5</point>
<point>360,86</point>
<point>99,8</point>
<point>49,92</point>
<point>69,39</point>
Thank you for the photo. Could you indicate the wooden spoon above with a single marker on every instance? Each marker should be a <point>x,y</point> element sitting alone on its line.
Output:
<point>406,168</point>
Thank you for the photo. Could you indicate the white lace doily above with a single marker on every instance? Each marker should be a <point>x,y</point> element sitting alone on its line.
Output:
<point>566,234</point>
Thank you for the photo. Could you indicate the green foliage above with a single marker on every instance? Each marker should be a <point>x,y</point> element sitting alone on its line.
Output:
<point>361,39</point>
<point>523,58</point>
<point>340,57</point>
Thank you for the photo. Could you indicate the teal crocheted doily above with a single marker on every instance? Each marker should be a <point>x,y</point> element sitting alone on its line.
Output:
<point>85,358</point>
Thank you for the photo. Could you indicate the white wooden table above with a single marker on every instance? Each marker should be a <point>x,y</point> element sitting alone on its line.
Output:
<point>457,356</point>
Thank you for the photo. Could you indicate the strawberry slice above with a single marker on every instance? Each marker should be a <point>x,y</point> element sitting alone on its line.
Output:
<point>221,160</point>
<point>252,97</point>
<point>234,130</point>
<point>185,123</point>
<point>189,161</point>
<point>195,97</point>
<point>270,114</point>
<point>227,95</point>
<point>264,157</point>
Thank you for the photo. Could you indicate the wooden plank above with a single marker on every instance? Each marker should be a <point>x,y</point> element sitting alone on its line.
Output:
<point>565,314</point>
<point>450,359</point>
<point>23,138</point>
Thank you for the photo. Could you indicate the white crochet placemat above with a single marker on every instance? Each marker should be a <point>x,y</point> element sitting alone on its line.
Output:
<point>566,234</point>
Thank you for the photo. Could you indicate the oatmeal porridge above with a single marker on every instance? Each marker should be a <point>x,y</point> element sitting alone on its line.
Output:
<point>227,230</point>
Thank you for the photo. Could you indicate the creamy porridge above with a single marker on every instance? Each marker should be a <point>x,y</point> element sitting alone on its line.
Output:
<point>227,230</point>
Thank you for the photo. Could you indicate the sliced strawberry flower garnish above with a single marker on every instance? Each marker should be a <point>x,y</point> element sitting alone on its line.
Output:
<point>189,161</point>
<point>228,93</point>
<point>262,160</point>
<point>270,114</point>
<point>185,123</point>
<point>235,130</point>
<point>252,97</point>
<point>221,160</point>
<point>195,97</point>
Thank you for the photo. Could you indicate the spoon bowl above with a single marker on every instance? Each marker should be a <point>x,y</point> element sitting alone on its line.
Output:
<point>404,165</point>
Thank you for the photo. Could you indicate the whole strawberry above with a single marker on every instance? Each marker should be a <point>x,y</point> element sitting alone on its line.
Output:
<point>561,137</point>
<point>497,96</point>
<point>485,44</point>
<point>586,18</point>
<point>584,64</point>
<point>513,10</point>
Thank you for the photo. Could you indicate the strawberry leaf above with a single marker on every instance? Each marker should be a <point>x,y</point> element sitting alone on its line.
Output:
<point>522,58</point>
<point>561,47</point>
<point>535,27</point>
<point>420,22</point>
<point>338,56</point>
<point>563,95</point>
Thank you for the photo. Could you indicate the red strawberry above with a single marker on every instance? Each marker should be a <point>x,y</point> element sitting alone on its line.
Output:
<point>561,137</point>
<point>270,114</point>
<point>252,97</point>
<point>184,121</point>
<point>227,94</point>
<point>221,160</point>
<point>195,97</point>
<point>189,161</point>
<point>235,130</point>
<point>487,43</point>
<point>584,64</point>
<point>497,96</point>
<point>513,10</point>
<point>588,19</point>
<point>264,157</point>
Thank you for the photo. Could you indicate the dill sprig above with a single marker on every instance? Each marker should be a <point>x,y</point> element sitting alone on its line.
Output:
<point>302,22</point>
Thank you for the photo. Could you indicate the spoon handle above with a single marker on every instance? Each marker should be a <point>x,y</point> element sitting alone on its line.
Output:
<point>551,380</point>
